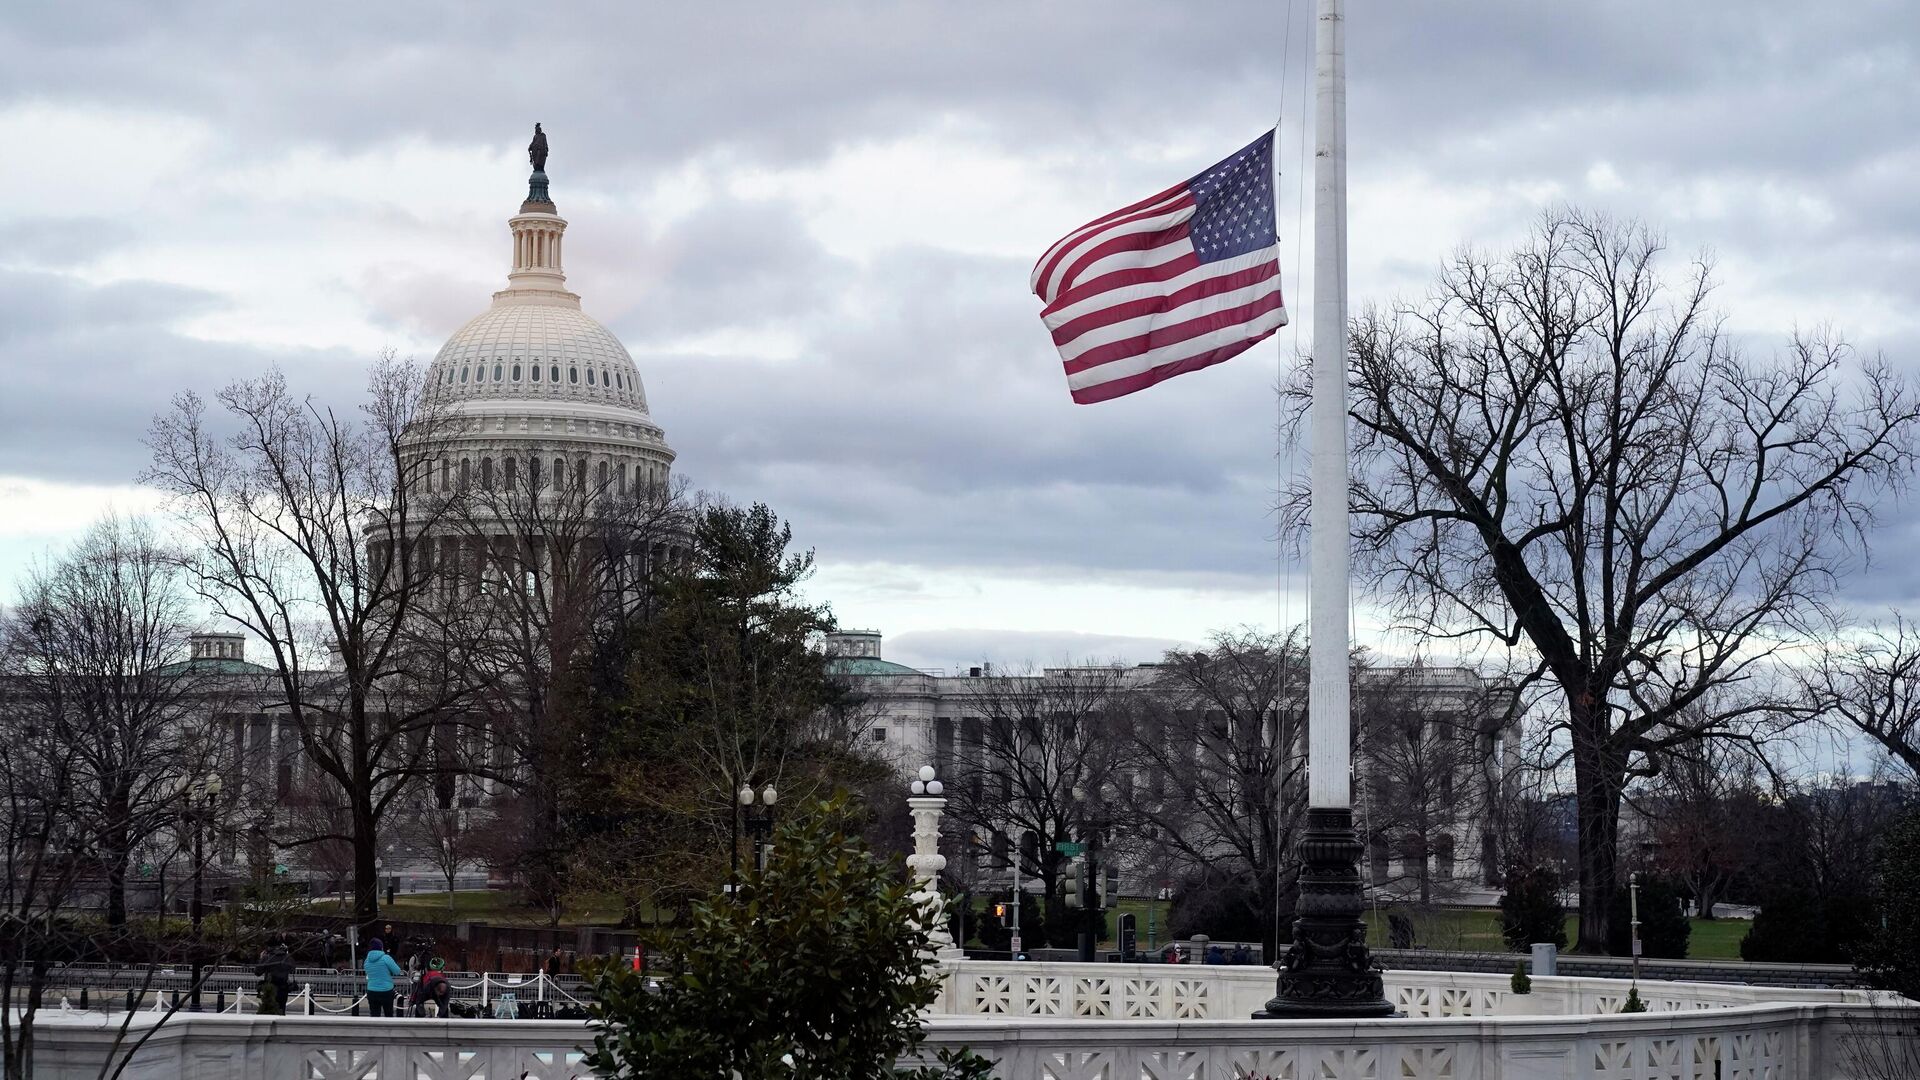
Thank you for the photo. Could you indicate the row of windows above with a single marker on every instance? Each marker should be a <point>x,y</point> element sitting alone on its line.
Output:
<point>503,372</point>
<point>608,475</point>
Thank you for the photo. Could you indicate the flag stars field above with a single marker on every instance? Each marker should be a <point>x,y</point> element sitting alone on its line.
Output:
<point>1177,282</point>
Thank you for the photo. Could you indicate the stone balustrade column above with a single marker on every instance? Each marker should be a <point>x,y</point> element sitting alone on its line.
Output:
<point>926,804</point>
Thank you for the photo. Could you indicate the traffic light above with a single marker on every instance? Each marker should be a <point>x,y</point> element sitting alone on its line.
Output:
<point>1000,911</point>
<point>1076,885</point>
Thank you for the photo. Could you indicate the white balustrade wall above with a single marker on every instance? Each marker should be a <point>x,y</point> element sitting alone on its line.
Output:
<point>1113,1022</point>
<point>1212,992</point>
<point>1747,1042</point>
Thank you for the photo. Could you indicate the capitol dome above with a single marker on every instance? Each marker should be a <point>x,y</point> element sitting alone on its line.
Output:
<point>533,374</point>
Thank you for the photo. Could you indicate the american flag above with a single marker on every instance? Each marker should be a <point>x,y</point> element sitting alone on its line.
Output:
<point>1173,283</point>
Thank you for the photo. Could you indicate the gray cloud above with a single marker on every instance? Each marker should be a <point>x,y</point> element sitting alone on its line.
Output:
<point>919,415</point>
<point>955,651</point>
<point>87,367</point>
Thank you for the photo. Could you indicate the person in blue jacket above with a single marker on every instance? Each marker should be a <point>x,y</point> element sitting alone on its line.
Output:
<point>381,969</point>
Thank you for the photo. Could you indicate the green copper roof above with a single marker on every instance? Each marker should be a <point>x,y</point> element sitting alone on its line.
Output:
<point>868,665</point>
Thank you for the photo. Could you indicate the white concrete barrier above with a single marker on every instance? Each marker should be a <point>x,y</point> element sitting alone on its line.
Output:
<point>1115,1022</point>
<point>1214,992</point>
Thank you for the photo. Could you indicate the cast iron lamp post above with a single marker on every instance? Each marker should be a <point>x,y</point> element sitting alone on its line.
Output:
<point>1090,828</point>
<point>200,806</point>
<point>759,826</point>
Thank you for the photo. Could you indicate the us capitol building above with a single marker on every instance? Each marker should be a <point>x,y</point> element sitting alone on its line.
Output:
<point>537,395</point>
<point>534,378</point>
<point>530,395</point>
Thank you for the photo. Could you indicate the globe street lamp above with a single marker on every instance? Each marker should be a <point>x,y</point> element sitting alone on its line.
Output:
<point>759,826</point>
<point>926,802</point>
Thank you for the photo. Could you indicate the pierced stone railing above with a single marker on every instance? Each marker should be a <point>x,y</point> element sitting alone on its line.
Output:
<point>1745,1042</point>
<point>1209,992</point>
<point>1748,1042</point>
<point>1116,1022</point>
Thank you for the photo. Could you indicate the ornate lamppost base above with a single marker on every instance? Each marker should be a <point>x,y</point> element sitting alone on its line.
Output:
<point>1327,972</point>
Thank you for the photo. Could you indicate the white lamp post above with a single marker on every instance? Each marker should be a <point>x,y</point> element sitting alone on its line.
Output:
<point>926,802</point>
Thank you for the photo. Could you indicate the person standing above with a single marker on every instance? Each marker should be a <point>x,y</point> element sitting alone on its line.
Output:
<point>276,979</point>
<point>380,970</point>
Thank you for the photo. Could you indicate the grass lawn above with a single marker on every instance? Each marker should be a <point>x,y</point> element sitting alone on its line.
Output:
<point>1717,939</point>
<point>1478,930</point>
<point>1445,929</point>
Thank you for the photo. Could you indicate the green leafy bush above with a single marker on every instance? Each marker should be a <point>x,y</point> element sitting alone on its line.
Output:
<point>1796,926</point>
<point>1521,983</point>
<point>813,972</point>
<point>1530,909</point>
<point>1633,1003</point>
<point>1889,955</point>
<point>1664,927</point>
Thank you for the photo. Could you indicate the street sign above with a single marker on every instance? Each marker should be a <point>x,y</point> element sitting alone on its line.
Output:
<point>1015,945</point>
<point>1068,847</point>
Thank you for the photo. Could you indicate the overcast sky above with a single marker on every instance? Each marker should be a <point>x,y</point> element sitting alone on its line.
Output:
<point>812,225</point>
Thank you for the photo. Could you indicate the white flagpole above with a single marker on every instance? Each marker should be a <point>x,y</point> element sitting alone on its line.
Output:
<point>1329,730</point>
<point>1327,973</point>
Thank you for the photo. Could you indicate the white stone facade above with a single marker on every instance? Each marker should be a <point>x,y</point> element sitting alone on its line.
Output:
<point>919,717</point>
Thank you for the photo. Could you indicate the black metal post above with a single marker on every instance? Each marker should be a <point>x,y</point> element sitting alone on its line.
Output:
<point>1327,972</point>
<point>199,862</point>
<point>760,826</point>
<point>1090,914</point>
<point>733,845</point>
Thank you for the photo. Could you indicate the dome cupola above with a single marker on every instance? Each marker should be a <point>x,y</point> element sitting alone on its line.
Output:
<point>534,366</point>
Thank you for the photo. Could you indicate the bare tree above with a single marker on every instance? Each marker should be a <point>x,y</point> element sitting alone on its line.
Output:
<point>1213,768</point>
<point>566,561</point>
<point>316,533</point>
<point>102,659</point>
<point>452,838</point>
<point>1870,681</point>
<point>1702,809</point>
<point>102,756</point>
<point>1561,451</point>
<point>1425,745</point>
<point>38,772</point>
<point>1029,740</point>
<point>1834,828</point>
